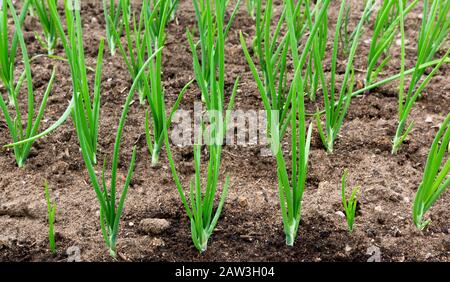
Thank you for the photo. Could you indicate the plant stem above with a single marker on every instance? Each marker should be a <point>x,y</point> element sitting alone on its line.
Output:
<point>291,234</point>
<point>155,153</point>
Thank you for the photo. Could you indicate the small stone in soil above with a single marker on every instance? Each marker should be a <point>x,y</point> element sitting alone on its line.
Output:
<point>348,248</point>
<point>157,242</point>
<point>242,201</point>
<point>154,226</point>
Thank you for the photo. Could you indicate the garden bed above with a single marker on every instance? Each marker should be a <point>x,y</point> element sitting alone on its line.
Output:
<point>250,228</point>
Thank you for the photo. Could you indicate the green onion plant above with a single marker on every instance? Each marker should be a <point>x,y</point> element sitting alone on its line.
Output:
<point>48,26</point>
<point>8,51</point>
<point>210,69</point>
<point>84,105</point>
<point>143,33</point>
<point>144,36</point>
<point>134,52</point>
<point>286,106</point>
<point>345,37</point>
<point>433,32</point>
<point>291,188</point>
<point>251,8</point>
<point>271,79</point>
<point>385,29</point>
<point>350,203</point>
<point>208,29</point>
<point>320,43</point>
<point>112,13</point>
<point>272,50</point>
<point>335,114</point>
<point>200,208</point>
<point>51,212</point>
<point>110,209</point>
<point>156,36</point>
<point>436,177</point>
<point>20,126</point>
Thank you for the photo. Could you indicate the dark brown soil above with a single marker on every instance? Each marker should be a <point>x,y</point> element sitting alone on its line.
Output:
<point>250,228</point>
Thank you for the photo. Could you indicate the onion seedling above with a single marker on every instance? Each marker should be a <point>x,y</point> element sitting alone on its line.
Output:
<point>8,51</point>
<point>349,204</point>
<point>210,70</point>
<point>335,114</point>
<point>201,209</point>
<point>136,55</point>
<point>276,97</point>
<point>385,29</point>
<point>112,15</point>
<point>20,128</point>
<point>432,34</point>
<point>110,210</point>
<point>436,177</point>
<point>251,8</point>
<point>208,29</point>
<point>155,26</point>
<point>272,59</point>
<point>291,188</point>
<point>149,35</point>
<point>174,4</point>
<point>51,211</point>
<point>320,43</point>
<point>148,31</point>
<point>200,212</point>
<point>47,24</point>
<point>345,37</point>
<point>88,108</point>
<point>285,106</point>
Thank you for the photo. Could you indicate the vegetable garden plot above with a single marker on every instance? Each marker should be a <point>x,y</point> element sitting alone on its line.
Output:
<point>70,115</point>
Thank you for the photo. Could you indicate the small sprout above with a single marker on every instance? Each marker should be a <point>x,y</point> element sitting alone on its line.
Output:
<point>350,204</point>
<point>51,211</point>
